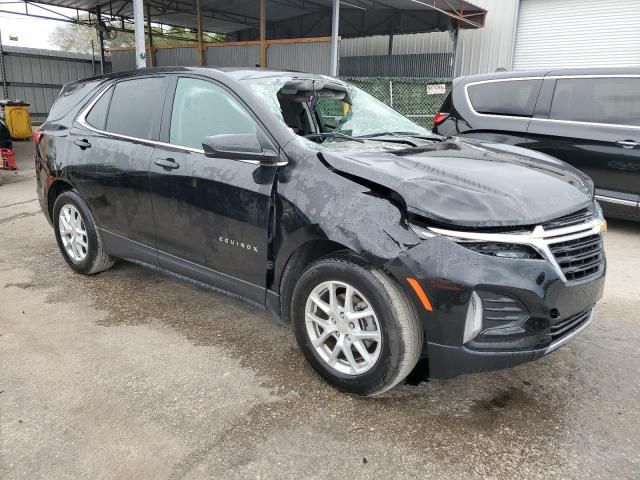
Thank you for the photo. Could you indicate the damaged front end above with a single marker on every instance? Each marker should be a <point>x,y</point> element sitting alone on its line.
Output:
<point>500,299</point>
<point>499,248</point>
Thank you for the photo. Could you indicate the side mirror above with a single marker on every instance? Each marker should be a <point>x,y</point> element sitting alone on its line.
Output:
<point>238,146</point>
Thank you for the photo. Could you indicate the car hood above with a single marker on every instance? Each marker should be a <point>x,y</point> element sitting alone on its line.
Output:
<point>471,183</point>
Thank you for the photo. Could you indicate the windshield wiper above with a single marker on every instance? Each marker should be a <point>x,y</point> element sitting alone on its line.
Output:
<point>326,135</point>
<point>402,134</point>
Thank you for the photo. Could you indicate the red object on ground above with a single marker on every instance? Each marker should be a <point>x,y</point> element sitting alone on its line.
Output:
<point>8,159</point>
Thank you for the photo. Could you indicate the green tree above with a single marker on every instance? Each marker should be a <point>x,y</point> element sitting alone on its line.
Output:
<point>77,38</point>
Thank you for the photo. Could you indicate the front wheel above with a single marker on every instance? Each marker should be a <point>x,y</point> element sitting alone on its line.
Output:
<point>355,326</point>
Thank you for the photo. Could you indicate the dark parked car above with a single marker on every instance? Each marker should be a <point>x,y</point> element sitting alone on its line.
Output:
<point>588,118</point>
<point>5,136</point>
<point>381,243</point>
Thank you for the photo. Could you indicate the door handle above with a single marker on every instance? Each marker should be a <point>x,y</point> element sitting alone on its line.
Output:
<point>83,144</point>
<point>167,163</point>
<point>628,143</point>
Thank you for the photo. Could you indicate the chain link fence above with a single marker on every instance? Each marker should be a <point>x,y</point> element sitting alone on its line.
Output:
<point>417,98</point>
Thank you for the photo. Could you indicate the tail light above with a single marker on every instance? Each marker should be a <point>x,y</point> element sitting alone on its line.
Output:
<point>439,118</point>
<point>37,135</point>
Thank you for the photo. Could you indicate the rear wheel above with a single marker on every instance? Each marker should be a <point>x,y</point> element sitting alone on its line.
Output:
<point>355,325</point>
<point>77,235</point>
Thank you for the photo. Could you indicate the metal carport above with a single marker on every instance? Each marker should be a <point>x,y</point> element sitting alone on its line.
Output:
<point>261,19</point>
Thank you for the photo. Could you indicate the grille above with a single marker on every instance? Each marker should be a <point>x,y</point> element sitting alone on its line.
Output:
<point>581,258</point>
<point>574,218</point>
<point>568,325</point>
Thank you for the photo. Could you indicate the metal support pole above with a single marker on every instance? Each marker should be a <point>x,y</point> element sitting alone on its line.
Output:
<point>454,37</point>
<point>263,33</point>
<point>100,40</point>
<point>201,59</point>
<point>335,26</point>
<point>152,52</point>
<point>3,71</point>
<point>93,57</point>
<point>138,32</point>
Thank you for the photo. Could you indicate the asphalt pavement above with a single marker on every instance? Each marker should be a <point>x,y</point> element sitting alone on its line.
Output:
<point>135,374</point>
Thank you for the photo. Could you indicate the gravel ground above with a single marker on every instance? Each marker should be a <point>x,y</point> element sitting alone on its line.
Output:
<point>135,374</point>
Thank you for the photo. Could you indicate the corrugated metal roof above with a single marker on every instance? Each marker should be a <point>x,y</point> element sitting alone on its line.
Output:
<point>290,18</point>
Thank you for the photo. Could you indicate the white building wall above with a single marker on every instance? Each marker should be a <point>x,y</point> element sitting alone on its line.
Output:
<point>589,33</point>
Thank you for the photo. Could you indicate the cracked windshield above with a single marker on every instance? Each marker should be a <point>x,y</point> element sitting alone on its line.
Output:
<point>326,113</point>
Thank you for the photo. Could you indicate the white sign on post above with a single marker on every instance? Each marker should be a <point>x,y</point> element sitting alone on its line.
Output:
<point>436,89</point>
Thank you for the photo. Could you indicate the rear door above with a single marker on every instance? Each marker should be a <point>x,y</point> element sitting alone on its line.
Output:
<point>593,123</point>
<point>123,124</point>
<point>211,214</point>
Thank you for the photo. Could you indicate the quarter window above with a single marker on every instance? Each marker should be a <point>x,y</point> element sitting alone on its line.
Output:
<point>597,100</point>
<point>201,108</point>
<point>134,107</point>
<point>97,117</point>
<point>515,97</point>
<point>69,98</point>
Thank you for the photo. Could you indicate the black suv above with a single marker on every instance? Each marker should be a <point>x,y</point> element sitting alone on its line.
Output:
<point>588,118</point>
<point>381,243</point>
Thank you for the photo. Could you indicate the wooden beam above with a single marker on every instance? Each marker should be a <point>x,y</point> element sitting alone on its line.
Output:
<point>279,41</point>
<point>152,51</point>
<point>263,33</point>
<point>201,47</point>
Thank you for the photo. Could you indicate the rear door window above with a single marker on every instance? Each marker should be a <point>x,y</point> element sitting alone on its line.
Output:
<point>513,97</point>
<point>135,108</point>
<point>97,117</point>
<point>597,100</point>
<point>202,108</point>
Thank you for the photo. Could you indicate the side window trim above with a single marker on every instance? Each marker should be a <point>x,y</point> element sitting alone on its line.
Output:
<point>500,80</point>
<point>170,85</point>
<point>578,80</point>
<point>82,117</point>
<point>167,111</point>
<point>537,119</point>
<point>107,91</point>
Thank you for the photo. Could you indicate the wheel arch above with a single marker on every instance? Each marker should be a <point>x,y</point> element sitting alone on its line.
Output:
<point>55,189</point>
<point>295,263</point>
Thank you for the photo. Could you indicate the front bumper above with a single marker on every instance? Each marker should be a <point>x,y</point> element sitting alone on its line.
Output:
<point>547,310</point>
<point>447,361</point>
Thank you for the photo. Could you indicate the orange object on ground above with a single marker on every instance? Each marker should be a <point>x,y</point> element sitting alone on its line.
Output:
<point>8,159</point>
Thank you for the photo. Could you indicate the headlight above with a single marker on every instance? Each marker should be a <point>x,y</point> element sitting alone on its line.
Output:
<point>502,250</point>
<point>600,216</point>
<point>494,249</point>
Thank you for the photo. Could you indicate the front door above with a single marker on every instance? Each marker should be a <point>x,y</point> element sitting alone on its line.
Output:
<point>594,124</point>
<point>211,214</point>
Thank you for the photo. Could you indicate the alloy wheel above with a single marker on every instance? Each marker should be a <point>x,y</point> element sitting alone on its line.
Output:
<point>343,328</point>
<point>73,233</point>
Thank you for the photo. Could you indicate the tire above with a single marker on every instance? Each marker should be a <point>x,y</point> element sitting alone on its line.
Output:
<point>391,317</point>
<point>82,248</point>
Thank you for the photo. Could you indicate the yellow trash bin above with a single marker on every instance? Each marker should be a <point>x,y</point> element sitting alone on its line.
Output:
<point>17,118</point>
